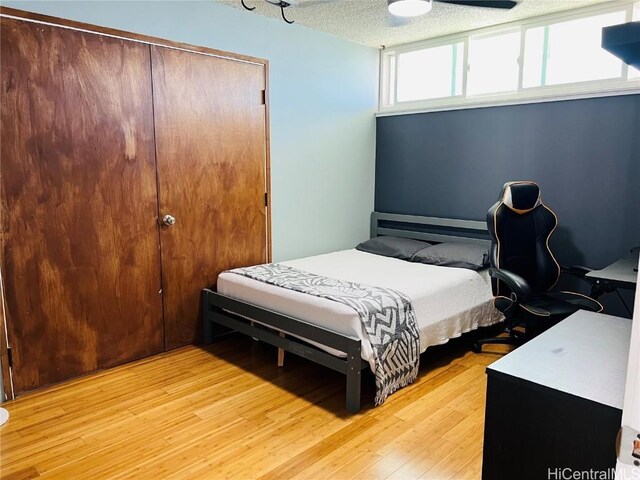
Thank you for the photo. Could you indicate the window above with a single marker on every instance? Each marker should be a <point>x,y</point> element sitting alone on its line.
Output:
<point>570,52</point>
<point>430,73</point>
<point>558,56</point>
<point>493,64</point>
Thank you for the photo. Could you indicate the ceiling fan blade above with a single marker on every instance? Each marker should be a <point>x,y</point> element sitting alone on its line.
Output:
<point>506,4</point>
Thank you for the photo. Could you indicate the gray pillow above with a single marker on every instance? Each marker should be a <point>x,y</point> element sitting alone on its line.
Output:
<point>396,247</point>
<point>462,255</point>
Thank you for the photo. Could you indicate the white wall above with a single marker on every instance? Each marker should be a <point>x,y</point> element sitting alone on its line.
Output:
<point>323,93</point>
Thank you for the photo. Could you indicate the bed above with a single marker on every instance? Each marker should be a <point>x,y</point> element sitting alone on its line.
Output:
<point>447,301</point>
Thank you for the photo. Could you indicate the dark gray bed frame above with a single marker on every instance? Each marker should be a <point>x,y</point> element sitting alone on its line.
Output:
<point>238,315</point>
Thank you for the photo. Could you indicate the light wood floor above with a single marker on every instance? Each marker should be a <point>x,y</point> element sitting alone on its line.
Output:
<point>228,412</point>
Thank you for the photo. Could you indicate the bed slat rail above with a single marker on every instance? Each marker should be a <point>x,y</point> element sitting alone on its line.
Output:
<point>430,237</point>
<point>282,322</point>
<point>432,229</point>
<point>235,314</point>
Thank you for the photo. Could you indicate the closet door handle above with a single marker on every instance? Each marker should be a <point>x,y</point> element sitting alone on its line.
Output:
<point>168,220</point>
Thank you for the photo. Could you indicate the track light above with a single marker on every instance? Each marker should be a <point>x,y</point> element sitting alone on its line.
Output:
<point>409,8</point>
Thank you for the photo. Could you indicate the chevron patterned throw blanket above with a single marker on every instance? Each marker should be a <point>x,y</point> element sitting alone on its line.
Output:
<point>387,316</point>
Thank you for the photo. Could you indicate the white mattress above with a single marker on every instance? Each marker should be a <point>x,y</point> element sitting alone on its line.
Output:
<point>447,301</point>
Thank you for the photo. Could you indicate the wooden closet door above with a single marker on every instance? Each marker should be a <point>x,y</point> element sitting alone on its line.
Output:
<point>211,153</point>
<point>80,254</point>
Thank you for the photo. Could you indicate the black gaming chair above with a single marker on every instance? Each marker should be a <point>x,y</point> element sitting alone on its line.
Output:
<point>524,268</point>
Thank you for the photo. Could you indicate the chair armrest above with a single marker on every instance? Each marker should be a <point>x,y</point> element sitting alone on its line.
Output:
<point>579,272</point>
<point>516,283</point>
<point>575,270</point>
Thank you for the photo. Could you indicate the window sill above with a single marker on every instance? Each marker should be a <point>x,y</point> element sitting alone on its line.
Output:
<point>550,94</point>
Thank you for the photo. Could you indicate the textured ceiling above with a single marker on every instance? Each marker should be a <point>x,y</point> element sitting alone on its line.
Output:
<point>368,22</point>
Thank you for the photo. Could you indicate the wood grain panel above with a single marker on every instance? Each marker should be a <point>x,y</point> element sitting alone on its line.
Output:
<point>4,351</point>
<point>80,254</point>
<point>210,148</point>
<point>126,35</point>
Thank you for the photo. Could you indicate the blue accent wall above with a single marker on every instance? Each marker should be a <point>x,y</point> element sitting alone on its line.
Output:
<point>584,154</point>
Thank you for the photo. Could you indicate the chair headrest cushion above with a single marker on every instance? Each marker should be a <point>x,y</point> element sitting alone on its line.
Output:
<point>521,197</point>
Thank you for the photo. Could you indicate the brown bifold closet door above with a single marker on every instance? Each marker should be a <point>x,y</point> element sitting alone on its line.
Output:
<point>211,154</point>
<point>80,253</point>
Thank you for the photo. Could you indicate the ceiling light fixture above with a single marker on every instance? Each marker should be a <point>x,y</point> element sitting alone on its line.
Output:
<point>409,8</point>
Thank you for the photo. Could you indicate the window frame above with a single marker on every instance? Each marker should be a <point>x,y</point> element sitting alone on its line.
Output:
<point>584,89</point>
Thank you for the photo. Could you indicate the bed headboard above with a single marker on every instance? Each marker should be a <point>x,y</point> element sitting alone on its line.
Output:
<point>431,229</point>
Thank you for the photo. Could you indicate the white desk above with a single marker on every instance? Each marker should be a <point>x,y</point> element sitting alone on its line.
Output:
<point>557,400</point>
<point>622,273</point>
<point>585,355</point>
